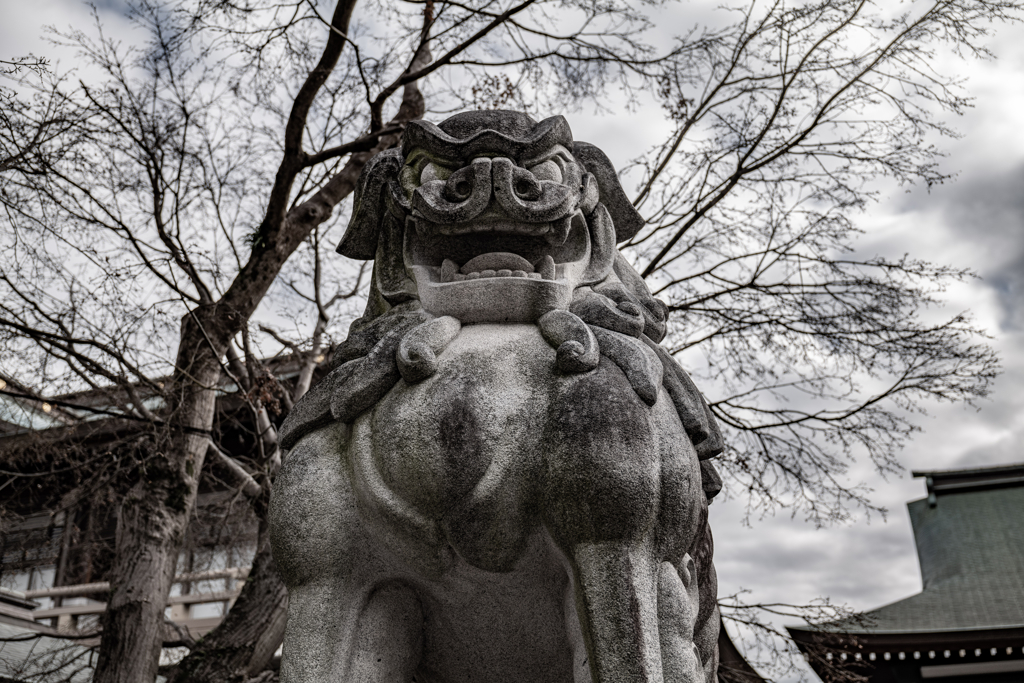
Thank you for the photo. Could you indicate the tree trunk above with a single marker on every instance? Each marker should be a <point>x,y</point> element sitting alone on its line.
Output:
<point>153,517</point>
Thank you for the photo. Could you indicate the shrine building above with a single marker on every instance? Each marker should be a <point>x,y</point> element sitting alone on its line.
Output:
<point>967,624</point>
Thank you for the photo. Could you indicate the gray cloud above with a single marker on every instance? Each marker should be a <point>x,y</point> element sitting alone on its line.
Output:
<point>986,211</point>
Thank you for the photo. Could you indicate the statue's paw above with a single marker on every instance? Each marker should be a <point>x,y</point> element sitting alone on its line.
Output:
<point>576,344</point>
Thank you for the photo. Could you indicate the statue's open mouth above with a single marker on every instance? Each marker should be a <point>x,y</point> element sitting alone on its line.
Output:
<point>493,269</point>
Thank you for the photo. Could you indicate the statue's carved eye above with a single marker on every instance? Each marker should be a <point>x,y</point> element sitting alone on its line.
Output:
<point>547,170</point>
<point>432,171</point>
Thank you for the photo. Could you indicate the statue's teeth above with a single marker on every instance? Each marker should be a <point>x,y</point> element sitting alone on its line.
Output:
<point>546,268</point>
<point>448,270</point>
<point>449,274</point>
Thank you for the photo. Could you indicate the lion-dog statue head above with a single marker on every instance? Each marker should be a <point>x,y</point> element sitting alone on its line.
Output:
<point>493,221</point>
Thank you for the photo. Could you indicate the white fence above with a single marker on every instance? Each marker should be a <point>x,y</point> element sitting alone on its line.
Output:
<point>71,609</point>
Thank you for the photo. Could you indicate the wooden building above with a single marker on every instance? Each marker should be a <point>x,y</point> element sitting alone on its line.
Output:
<point>57,531</point>
<point>967,624</point>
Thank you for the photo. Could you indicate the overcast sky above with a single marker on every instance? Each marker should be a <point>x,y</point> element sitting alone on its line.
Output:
<point>974,222</point>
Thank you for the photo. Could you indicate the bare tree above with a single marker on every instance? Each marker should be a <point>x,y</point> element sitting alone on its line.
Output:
<point>37,123</point>
<point>773,652</point>
<point>208,163</point>
<point>787,122</point>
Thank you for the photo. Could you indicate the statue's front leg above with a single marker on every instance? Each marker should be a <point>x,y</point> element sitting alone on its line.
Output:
<point>616,595</point>
<point>349,617</point>
<point>349,634</point>
<point>308,539</point>
<point>602,504</point>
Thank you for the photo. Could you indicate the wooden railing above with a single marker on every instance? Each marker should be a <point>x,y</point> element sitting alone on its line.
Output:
<point>23,605</point>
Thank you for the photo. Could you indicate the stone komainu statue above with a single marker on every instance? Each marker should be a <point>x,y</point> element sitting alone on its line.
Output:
<point>504,478</point>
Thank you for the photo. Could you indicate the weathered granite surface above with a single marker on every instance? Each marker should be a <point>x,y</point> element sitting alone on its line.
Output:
<point>505,477</point>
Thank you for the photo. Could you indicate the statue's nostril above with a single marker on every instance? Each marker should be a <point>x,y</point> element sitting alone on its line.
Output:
<point>463,187</point>
<point>523,187</point>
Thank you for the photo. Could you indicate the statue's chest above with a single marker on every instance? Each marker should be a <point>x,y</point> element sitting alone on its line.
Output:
<point>478,420</point>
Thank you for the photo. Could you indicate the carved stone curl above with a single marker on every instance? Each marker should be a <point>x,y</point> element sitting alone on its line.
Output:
<point>505,477</point>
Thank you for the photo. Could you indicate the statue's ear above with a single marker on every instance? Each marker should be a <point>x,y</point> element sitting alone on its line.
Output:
<point>627,221</point>
<point>369,205</point>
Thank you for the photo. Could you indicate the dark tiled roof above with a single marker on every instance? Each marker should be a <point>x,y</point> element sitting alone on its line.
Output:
<point>732,667</point>
<point>970,543</point>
